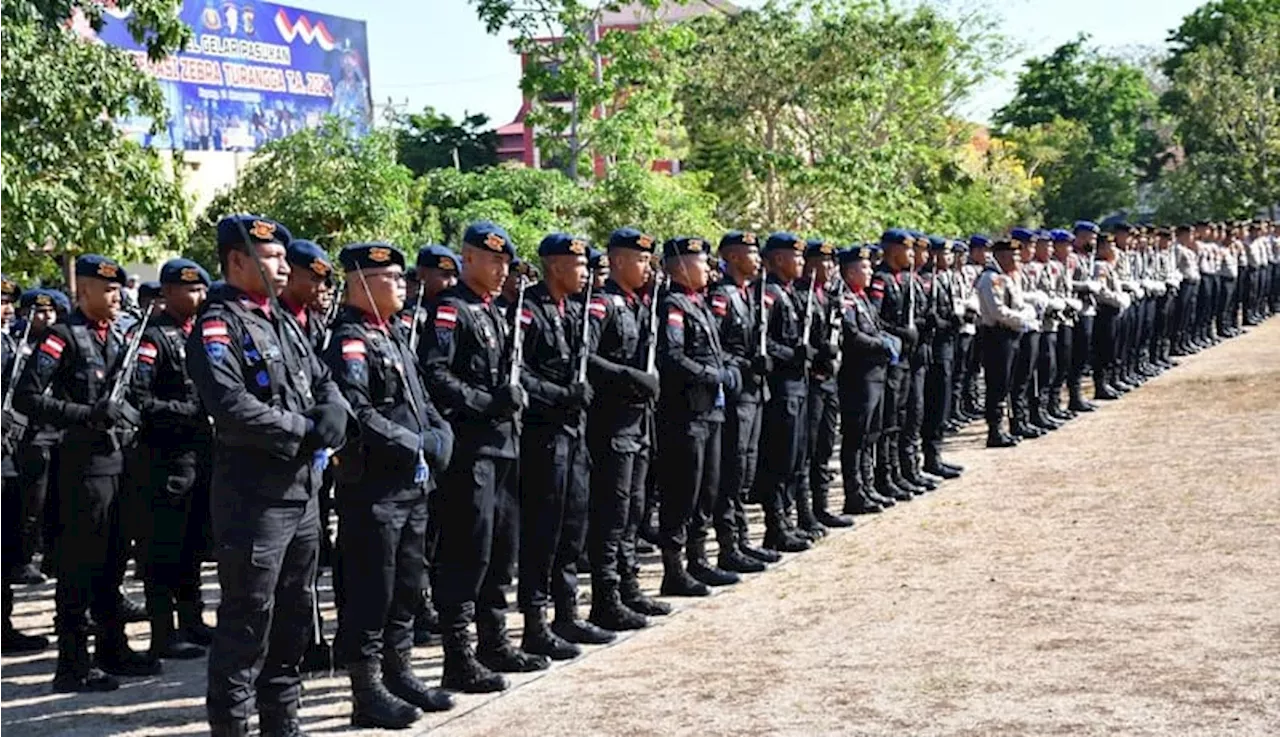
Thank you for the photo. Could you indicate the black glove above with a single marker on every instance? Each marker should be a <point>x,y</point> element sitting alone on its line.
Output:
<point>825,353</point>
<point>806,353</point>
<point>730,379</point>
<point>761,365</point>
<point>910,336</point>
<point>509,399</point>
<point>108,414</point>
<point>646,383</point>
<point>581,394</point>
<point>328,425</point>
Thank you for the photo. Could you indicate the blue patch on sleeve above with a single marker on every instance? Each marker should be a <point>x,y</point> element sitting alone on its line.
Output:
<point>215,351</point>
<point>356,371</point>
<point>44,361</point>
<point>262,378</point>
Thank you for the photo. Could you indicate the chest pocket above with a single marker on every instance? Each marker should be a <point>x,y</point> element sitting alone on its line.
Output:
<point>176,346</point>
<point>91,373</point>
<point>384,381</point>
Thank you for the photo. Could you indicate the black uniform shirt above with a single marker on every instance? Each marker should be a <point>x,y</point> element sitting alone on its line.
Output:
<point>619,326</point>
<point>736,310</point>
<point>552,334</point>
<point>256,386</point>
<point>689,358</point>
<point>167,398</point>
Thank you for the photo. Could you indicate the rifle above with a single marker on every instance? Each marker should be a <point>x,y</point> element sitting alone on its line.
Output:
<point>13,428</point>
<point>330,314</point>
<point>586,328</point>
<point>413,331</point>
<point>808,313</point>
<point>517,333</point>
<point>651,361</point>
<point>129,361</point>
<point>764,318</point>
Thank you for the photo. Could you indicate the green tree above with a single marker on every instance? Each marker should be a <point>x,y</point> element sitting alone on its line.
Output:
<point>325,184</point>
<point>71,183</point>
<point>1112,103</point>
<point>1226,92</point>
<point>529,203</point>
<point>594,91</point>
<point>431,140</point>
<point>656,202</point>
<point>834,115</point>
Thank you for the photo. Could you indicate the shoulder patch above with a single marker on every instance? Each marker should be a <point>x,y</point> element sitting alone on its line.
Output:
<point>720,305</point>
<point>353,349</point>
<point>675,317</point>
<point>147,352</point>
<point>52,346</point>
<point>526,316</point>
<point>446,317</point>
<point>213,330</point>
<point>598,308</point>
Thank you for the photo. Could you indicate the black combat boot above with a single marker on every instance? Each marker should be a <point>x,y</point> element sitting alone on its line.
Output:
<point>498,654</point>
<point>574,629</point>
<point>634,598</point>
<point>426,623</point>
<point>934,465</point>
<point>676,581</point>
<point>373,706</point>
<point>540,640</point>
<point>701,568</point>
<point>611,615</point>
<point>1102,390</point>
<point>808,523</point>
<point>400,680</point>
<point>462,671</point>
<point>751,551</point>
<point>731,558</point>
<point>871,491</point>
<point>74,673</point>
<point>885,486</point>
<point>167,642</point>
<point>191,623</point>
<point>112,654</point>
<point>823,515</point>
<point>996,437</point>
<point>233,728</point>
<point>275,720</point>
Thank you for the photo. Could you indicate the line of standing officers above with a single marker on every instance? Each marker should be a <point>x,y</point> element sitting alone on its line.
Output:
<point>491,422</point>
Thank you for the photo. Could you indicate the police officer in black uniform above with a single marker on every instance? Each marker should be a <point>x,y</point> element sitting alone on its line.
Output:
<point>277,417</point>
<point>309,270</point>
<point>891,288</point>
<point>399,444</point>
<point>68,382</point>
<point>617,428</point>
<point>866,351</point>
<point>554,466</point>
<point>782,434</point>
<point>736,306</point>
<point>939,286</point>
<point>467,363</point>
<point>695,384</point>
<point>42,308</point>
<point>15,496</point>
<point>822,412</point>
<point>174,450</point>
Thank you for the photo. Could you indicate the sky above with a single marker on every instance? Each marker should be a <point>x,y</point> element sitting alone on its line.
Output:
<point>436,52</point>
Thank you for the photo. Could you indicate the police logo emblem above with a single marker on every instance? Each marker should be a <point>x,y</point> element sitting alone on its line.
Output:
<point>263,230</point>
<point>379,255</point>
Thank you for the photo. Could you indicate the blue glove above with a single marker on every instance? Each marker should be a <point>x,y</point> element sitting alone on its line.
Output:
<point>730,380</point>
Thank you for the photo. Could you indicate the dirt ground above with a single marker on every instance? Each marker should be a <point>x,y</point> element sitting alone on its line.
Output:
<point>1120,576</point>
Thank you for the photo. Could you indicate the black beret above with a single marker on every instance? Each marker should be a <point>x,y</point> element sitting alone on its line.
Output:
<point>684,245</point>
<point>94,266</point>
<point>819,248</point>
<point>563,244</point>
<point>438,257</point>
<point>783,241</point>
<point>358,256</point>
<point>632,239</point>
<point>41,297</point>
<point>490,237</point>
<point>233,229</point>
<point>308,255</point>
<point>183,271</point>
<point>1000,245</point>
<point>739,238</point>
<point>10,287</point>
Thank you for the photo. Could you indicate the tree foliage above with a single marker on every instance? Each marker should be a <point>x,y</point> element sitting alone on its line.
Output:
<point>1094,118</point>
<point>430,140</point>
<point>832,115</point>
<point>71,183</point>
<point>325,184</point>
<point>1226,92</point>
<point>594,91</point>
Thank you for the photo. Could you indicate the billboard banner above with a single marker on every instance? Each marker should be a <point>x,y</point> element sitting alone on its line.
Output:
<point>254,71</point>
